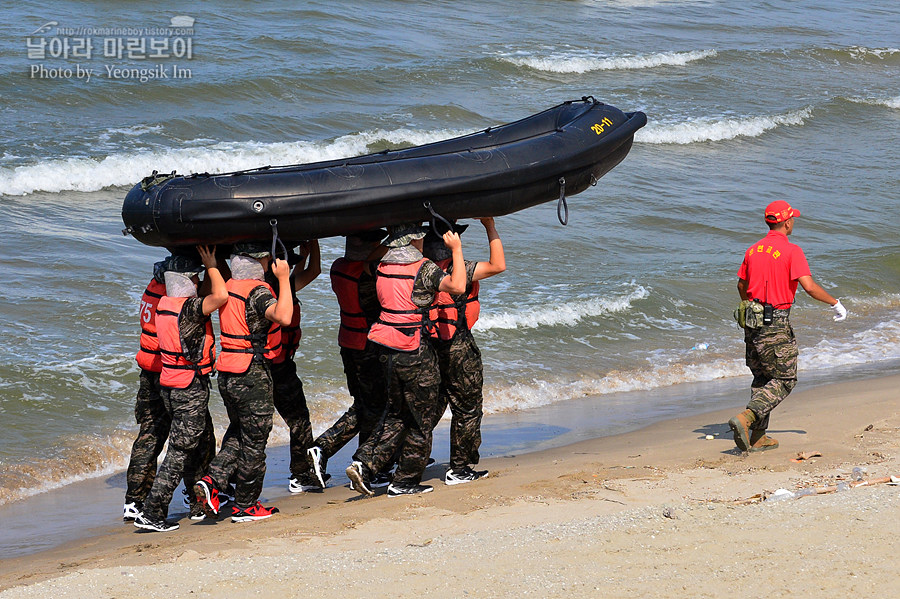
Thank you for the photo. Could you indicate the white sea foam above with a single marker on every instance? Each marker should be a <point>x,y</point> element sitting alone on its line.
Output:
<point>863,52</point>
<point>583,62</point>
<point>880,343</point>
<point>703,129</point>
<point>567,314</point>
<point>889,102</point>
<point>92,174</point>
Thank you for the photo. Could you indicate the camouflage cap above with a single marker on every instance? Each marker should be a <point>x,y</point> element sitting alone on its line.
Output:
<point>253,249</point>
<point>186,265</point>
<point>402,235</point>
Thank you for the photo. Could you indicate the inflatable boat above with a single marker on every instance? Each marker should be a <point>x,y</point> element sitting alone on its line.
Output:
<point>548,156</point>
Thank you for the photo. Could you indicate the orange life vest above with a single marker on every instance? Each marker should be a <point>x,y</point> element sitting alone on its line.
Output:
<point>290,337</point>
<point>450,314</point>
<point>399,326</point>
<point>148,355</point>
<point>239,347</point>
<point>178,369</point>
<point>354,327</point>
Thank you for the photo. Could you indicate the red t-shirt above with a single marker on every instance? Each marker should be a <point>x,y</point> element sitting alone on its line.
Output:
<point>771,267</point>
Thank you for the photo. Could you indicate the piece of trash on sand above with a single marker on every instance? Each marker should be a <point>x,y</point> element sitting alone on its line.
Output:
<point>805,455</point>
<point>709,437</point>
<point>895,480</point>
<point>779,495</point>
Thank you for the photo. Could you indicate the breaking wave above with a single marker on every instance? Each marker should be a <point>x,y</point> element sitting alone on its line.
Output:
<point>583,62</point>
<point>704,129</point>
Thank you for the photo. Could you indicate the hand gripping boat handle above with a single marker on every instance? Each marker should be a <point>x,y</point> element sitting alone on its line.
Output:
<point>276,239</point>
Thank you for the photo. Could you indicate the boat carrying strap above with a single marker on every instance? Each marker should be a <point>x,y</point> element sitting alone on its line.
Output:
<point>562,205</point>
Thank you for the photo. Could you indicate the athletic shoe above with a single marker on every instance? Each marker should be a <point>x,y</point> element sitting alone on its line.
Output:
<point>257,512</point>
<point>146,523</point>
<point>398,490</point>
<point>359,481</point>
<point>463,475</point>
<point>304,483</point>
<point>197,514</point>
<point>227,496</point>
<point>131,511</point>
<point>381,480</point>
<point>186,498</point>
<point>318,462</point>
<point>207,496</point>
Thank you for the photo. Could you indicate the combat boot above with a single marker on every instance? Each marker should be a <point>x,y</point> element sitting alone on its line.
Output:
<point>760,441</point>
<point>740,426</point>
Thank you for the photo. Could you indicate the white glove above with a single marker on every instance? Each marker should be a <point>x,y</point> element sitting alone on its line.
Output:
<point>840,312</point>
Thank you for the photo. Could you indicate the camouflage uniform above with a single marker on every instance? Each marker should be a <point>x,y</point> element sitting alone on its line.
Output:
<point>772,358</point>
<point>291,404</point>
<point>367,387</point>
<point>413,387</point>
<point>249,403</point>
<point>154,422</point>
<point>191,439</point>
<point>462,379</point>
<point>365,383</point>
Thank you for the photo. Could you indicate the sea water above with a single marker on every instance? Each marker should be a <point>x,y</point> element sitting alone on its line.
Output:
<point>747,103</point>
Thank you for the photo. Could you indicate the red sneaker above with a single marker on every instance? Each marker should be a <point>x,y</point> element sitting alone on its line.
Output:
<point>257,512</point>
<point>207,496</point>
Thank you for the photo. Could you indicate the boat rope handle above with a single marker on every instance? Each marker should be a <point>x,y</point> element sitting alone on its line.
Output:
<point>276,239</point>
<point>562,205</point>
<point>435,215</point>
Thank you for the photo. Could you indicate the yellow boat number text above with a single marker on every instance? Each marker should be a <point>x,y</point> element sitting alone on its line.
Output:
<point>600,127</point>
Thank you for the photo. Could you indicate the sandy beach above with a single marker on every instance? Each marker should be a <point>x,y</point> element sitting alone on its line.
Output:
<point>659,512</point>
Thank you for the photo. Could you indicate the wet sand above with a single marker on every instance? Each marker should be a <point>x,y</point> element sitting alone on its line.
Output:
<point>657,512</point>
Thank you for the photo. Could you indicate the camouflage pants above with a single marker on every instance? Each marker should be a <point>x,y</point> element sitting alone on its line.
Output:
<point>290,402</point>
<point>367,387</point>
<point>413,384</point>
<point>242,456</point>
<point>191,444</point>
<point>462,379</point>
<point>772,358</point>
<point>154,422</point>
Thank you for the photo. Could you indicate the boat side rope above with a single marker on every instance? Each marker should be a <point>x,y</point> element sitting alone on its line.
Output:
<point>276,239</point>
<point>435,216</point>
<point>562,205</point>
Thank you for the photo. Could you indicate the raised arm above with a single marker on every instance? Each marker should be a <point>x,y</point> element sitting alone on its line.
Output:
<point>218,294</point>
<point>455,282</point>
<point>283,310</point>
<point>303,277</point>
<point>497,261</point>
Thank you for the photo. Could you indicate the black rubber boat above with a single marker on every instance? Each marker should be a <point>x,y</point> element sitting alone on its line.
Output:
<point>556,153</point>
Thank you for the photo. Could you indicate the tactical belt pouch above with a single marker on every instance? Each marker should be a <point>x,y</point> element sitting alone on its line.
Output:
<point>749,314</point>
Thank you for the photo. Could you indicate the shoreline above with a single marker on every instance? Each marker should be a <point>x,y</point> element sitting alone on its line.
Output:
<point>668,463</point>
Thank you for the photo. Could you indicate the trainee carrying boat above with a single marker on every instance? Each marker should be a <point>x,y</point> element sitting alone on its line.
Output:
<point>547,156</point>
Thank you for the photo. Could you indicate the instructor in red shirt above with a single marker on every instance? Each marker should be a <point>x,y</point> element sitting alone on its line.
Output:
<point>771,270</point>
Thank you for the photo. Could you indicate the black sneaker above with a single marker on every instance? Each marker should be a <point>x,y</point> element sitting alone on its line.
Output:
<point>463,475</point>
<point>131,511</point>
<point>381,480</point>
<point>304,483</point>
<point>359,479</point>
<point>197,514</point>
<point>146,523</point>
<point>398,490</point>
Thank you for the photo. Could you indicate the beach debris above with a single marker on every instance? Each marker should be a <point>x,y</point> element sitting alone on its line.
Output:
<point>805,455</point>
<point>669,512</point>
<point>709,437</point>
<point>868,428</point>
<point>780,495</point>
<point>895,480</point>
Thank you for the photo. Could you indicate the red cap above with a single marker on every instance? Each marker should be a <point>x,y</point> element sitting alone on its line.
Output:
<point>779,211</point>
